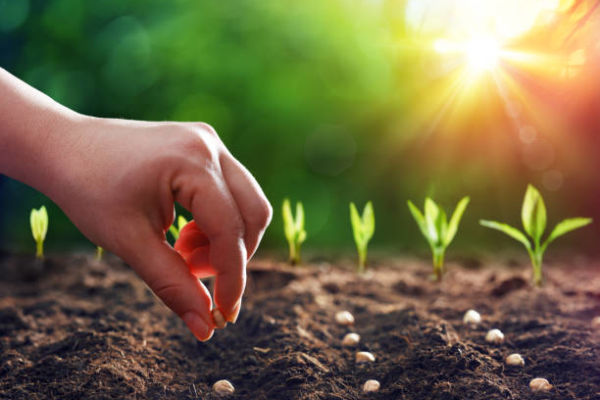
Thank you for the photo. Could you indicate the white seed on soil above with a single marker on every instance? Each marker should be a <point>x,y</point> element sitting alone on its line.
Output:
<point>596,322</point>
<point>472,317</point>
<point>494,336</point>
<point>344,318</point>
<point>223,387</point>
<point>540,385</point>
<point>371,386</point>
<point>351,340</point>
<point>515,360</point>
<point>218,318</point>
<point>364,356</point>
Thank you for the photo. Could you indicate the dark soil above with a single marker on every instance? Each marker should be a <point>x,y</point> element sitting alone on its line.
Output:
<point>77,329</point>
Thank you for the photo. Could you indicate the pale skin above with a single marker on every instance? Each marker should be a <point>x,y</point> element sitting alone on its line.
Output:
<point>117,180</point>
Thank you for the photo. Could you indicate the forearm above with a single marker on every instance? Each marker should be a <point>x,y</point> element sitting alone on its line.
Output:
<point>33,133</point>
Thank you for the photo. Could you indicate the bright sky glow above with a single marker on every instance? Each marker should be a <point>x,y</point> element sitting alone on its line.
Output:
<point>482,54</point>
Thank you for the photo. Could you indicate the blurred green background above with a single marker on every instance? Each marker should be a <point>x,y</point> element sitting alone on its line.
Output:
<point>324,101</point>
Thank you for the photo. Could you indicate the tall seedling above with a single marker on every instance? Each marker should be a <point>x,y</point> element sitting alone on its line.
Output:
<point>533,216</point>
<point>363,228</point>
<point>437,230</point>
<point>293,229</point>
<point>39,227</point>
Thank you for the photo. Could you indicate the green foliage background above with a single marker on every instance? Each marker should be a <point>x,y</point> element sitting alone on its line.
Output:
<point>317,98</point>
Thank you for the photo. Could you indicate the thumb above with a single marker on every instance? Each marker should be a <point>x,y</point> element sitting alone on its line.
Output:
<point>167,275</point>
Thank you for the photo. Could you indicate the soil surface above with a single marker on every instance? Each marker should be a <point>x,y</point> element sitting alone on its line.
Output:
<point>78,329</point>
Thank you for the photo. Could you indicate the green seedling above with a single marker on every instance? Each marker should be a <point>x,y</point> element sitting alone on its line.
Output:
<point>174,230</point>
<point>293,229</point>
<point>363,228</point>
<point>533,216</point>
<point>39,227</point>
<point>99,253</point>
<point>437,230</point>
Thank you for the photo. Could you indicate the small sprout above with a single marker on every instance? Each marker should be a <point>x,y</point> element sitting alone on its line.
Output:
<point>181,222</point>
<point>363,228</point>
<point>437,230</point>
<point>351,340</point>
<point>371,386</point>
<point>223,388</point>
<point>515,360</point>
<point>364,357</point>
<point>596,322</point>
<point>218,318</point>
<point>472,317</point>
<point>39,227</point>
<point>99,253</point>
<point>293,229</point>
<point>540,385</point>
<point>494,336</point>
<point>344,318</point>
<point>533,216</point>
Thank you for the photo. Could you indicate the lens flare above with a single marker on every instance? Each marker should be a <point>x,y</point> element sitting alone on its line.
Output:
<point>482,54</point>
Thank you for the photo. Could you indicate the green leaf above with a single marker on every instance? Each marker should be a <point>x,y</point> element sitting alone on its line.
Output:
<point>533,213</point>
<point>357,226</point>
<point>301,237</point>
<point>420,219</point>
<point>181,222</point>
<point>455,220</point>
<point>509,230</point>
<point>174,232</point>
<point>38,220</point>
<point>288,221</point>
<point>368,220</point>
<point>566,226</point>
<point>432,212</point>
<point>299,217</point>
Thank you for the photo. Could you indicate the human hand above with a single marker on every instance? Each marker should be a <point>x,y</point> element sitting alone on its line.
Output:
<point>118,184</point>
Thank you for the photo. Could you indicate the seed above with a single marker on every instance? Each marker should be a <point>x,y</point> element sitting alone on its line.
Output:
<point>515,359</point>
<point>540,385</point>
<point>472,317</point>
<point>494,336</point>
<point>351,340</point>
<point>364,356</point>
<point>344,318</point>
<point>218,318</point>
<point>223,387</point>
<point>371,386</point>
<point>596,322</point>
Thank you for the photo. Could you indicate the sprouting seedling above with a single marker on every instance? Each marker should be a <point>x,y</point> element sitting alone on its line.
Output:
<point>99,253</point>
<point>363,228</point>
<point>437,230</point>
<point>174,230</point>
<point>293,229</point>
<point>39,227</point>
<point>533,216</point>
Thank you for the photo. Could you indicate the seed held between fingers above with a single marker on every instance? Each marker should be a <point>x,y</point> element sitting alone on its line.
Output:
<point>218,318</point>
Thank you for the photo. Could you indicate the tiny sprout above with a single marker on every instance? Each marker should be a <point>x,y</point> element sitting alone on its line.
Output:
<point>515,360</point>
<point>371,386</point>
<point>39,227</point>
<point>437,230</point>
<point>99,253</point>
<point>533,216</point>
<point>472,317</point>
<point>218,318</point>
<point>223,388</point>
<point>344,318</point>
<point>363,228</point>
<point>494,336</point>
<point>181,222</point>
<point>351,340</point>
<point>364,357</point>
<point>540,385</point>
<point>293,229</point>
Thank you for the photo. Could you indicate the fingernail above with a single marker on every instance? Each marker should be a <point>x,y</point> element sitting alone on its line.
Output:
<point>198,326</point>
<point>218,318</point>
<point>235,313</point>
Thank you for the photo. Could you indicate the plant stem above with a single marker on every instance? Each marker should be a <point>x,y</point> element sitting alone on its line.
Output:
<point>39,253</point>
<point>99,252</point>
<point>438,263</point>
<point>536,262</point>
<point>362,261</point>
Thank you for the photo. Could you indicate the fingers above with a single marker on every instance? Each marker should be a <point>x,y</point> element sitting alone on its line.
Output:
<point>250,200</point>
<point>169,278</point>
<point>217,215</point>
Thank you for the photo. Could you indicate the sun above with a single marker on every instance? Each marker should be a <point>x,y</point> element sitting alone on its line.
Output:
<point>483,54</point>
